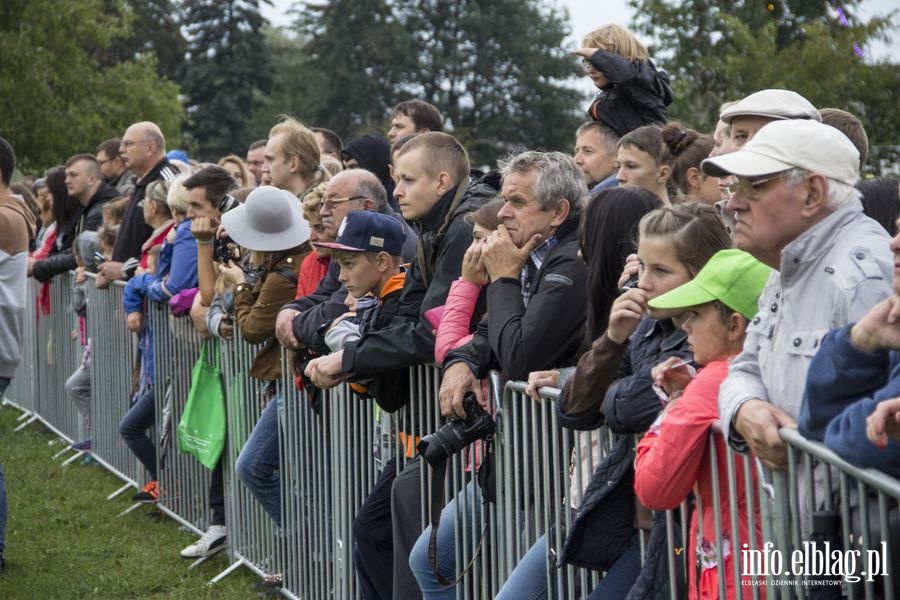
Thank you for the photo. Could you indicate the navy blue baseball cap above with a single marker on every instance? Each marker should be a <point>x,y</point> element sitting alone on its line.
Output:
<point>368,231</point>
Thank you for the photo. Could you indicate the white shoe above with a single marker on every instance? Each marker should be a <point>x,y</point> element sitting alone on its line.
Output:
<point>211,542</point>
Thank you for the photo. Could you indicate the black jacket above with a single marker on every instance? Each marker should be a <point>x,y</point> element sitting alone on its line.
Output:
<point>391,389</point>
<point>88,218</point>
<point>410,339</point>
<point>637,93</point>
<point>547,333</point>
<point>619,378</point>
<point>133,231</point>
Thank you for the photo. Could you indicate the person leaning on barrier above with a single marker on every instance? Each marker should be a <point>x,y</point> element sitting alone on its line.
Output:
<point>534,269</point>
<point>83,183</point>
<point>176,271</point>
<point>18,226</point>
<point>673,458</point>
<point>435,193</point>
<point>795,210</point>
<point>611,384</point>
<point>271,225</point>
<point>348,191</point>
<point>856,373</point>
<point>143,149</point>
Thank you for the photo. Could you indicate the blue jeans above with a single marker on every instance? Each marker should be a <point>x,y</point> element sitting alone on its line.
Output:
<point>257,465</point>
<point>621,576</point>
<point>446,545</point>
<point>528,581</point>
<point>133,429</point>
<point>4,383</point>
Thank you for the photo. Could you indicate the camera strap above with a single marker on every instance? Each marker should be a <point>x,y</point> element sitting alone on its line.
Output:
<point>438,479</point>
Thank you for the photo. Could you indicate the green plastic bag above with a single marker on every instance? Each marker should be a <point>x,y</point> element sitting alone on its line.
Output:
<point>202,428</point>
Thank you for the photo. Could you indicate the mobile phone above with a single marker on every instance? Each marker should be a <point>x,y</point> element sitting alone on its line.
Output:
<point>631,283</point>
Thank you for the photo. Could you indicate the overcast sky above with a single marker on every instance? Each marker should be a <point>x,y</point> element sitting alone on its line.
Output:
<point>585,15</point>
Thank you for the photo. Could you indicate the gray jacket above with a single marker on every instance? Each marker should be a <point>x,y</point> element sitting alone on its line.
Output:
<point>831,275</point>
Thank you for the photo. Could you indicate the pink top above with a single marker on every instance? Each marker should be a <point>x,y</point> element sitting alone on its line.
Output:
<point>672,459</point>
<point>453,330</point>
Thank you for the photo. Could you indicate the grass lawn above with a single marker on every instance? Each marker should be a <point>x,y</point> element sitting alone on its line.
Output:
<point>64,540</point>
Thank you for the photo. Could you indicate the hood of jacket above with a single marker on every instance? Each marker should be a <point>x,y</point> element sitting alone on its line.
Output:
<point>373,153</point>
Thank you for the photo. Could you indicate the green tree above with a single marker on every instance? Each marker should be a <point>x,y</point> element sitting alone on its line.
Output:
<point>718,51</point>
<point>296,88</point>
<point>59,92</point>
<point>357,58</point>
<point>495,68</point>
<point>157,29</point>
<point>226,75</point>
<point>500,88</point>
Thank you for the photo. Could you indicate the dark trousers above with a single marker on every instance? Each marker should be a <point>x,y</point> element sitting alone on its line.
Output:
<point>133,429</point>
<point>217,495</point>
<point>406,508</point>
<point>373,555</point>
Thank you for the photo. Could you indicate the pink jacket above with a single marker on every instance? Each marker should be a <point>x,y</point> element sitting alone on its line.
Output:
<point>673,458</point>
<point>453,330</point>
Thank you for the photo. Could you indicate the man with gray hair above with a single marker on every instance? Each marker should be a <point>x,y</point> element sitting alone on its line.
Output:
<point>797,211</point>
<point>535,312</point>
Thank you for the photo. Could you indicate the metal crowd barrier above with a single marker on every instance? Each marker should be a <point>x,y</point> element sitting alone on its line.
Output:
<point>331,456</point>
<point>23,391</point>
<point>53,344</point>
<point>252,539</point>
<point>113,352</point>
<point>183,481</point>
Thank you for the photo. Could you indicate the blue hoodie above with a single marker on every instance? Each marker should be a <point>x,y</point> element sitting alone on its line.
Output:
<point>843,386</point>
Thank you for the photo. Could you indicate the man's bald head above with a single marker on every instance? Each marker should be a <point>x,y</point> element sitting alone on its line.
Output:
<point>143,145</point>
<point>359,182</point>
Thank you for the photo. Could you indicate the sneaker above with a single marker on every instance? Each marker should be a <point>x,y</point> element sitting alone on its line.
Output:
<point>82,446</point>
<point>211,542</point>
<point>150,493</point>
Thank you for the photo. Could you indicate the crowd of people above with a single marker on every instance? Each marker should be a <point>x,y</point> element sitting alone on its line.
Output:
<point>662,278</point>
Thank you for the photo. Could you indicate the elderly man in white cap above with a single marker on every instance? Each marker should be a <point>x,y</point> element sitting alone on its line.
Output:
<point>797,211</point>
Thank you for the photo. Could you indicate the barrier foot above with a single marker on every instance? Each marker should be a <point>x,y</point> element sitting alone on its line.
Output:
<point>118,491</point>
<point>23,416</point>
<point>61,452</point>
<point>131,508</point>
<point>203,559</point>
<point>77,455</point>
<point>31,420</point>
<point>231,569</point>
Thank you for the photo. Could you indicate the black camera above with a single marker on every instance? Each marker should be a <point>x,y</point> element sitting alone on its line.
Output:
<point>437,447</point>
<point>224,250</point>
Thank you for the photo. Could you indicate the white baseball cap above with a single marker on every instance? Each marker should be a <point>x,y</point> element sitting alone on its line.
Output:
<point>774,104</point>
<point>269,220</point>
<point>783,145</point>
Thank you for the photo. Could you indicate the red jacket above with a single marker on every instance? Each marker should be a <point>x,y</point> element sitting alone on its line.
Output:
<point>673,458</point>
<point>312,271</point>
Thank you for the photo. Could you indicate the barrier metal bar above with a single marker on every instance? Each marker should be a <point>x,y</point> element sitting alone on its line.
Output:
<point>113,352</point>
<point>252,538</point>
<point>868,505</point>
<point>183,481</point>
<point>22,392</point>
<point>59,354</point>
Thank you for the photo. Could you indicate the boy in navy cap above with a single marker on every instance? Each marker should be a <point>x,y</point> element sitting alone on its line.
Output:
<point>367,248</point>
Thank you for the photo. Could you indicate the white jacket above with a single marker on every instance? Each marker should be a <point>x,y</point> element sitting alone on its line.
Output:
<point>831,275</point>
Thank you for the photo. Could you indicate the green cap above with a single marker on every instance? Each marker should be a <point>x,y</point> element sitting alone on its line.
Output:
<point>732,277</point>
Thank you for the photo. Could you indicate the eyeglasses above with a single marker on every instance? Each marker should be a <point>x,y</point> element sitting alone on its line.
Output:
<point>330,202</point>
<point>751,187</point>
<point>130,143</point>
